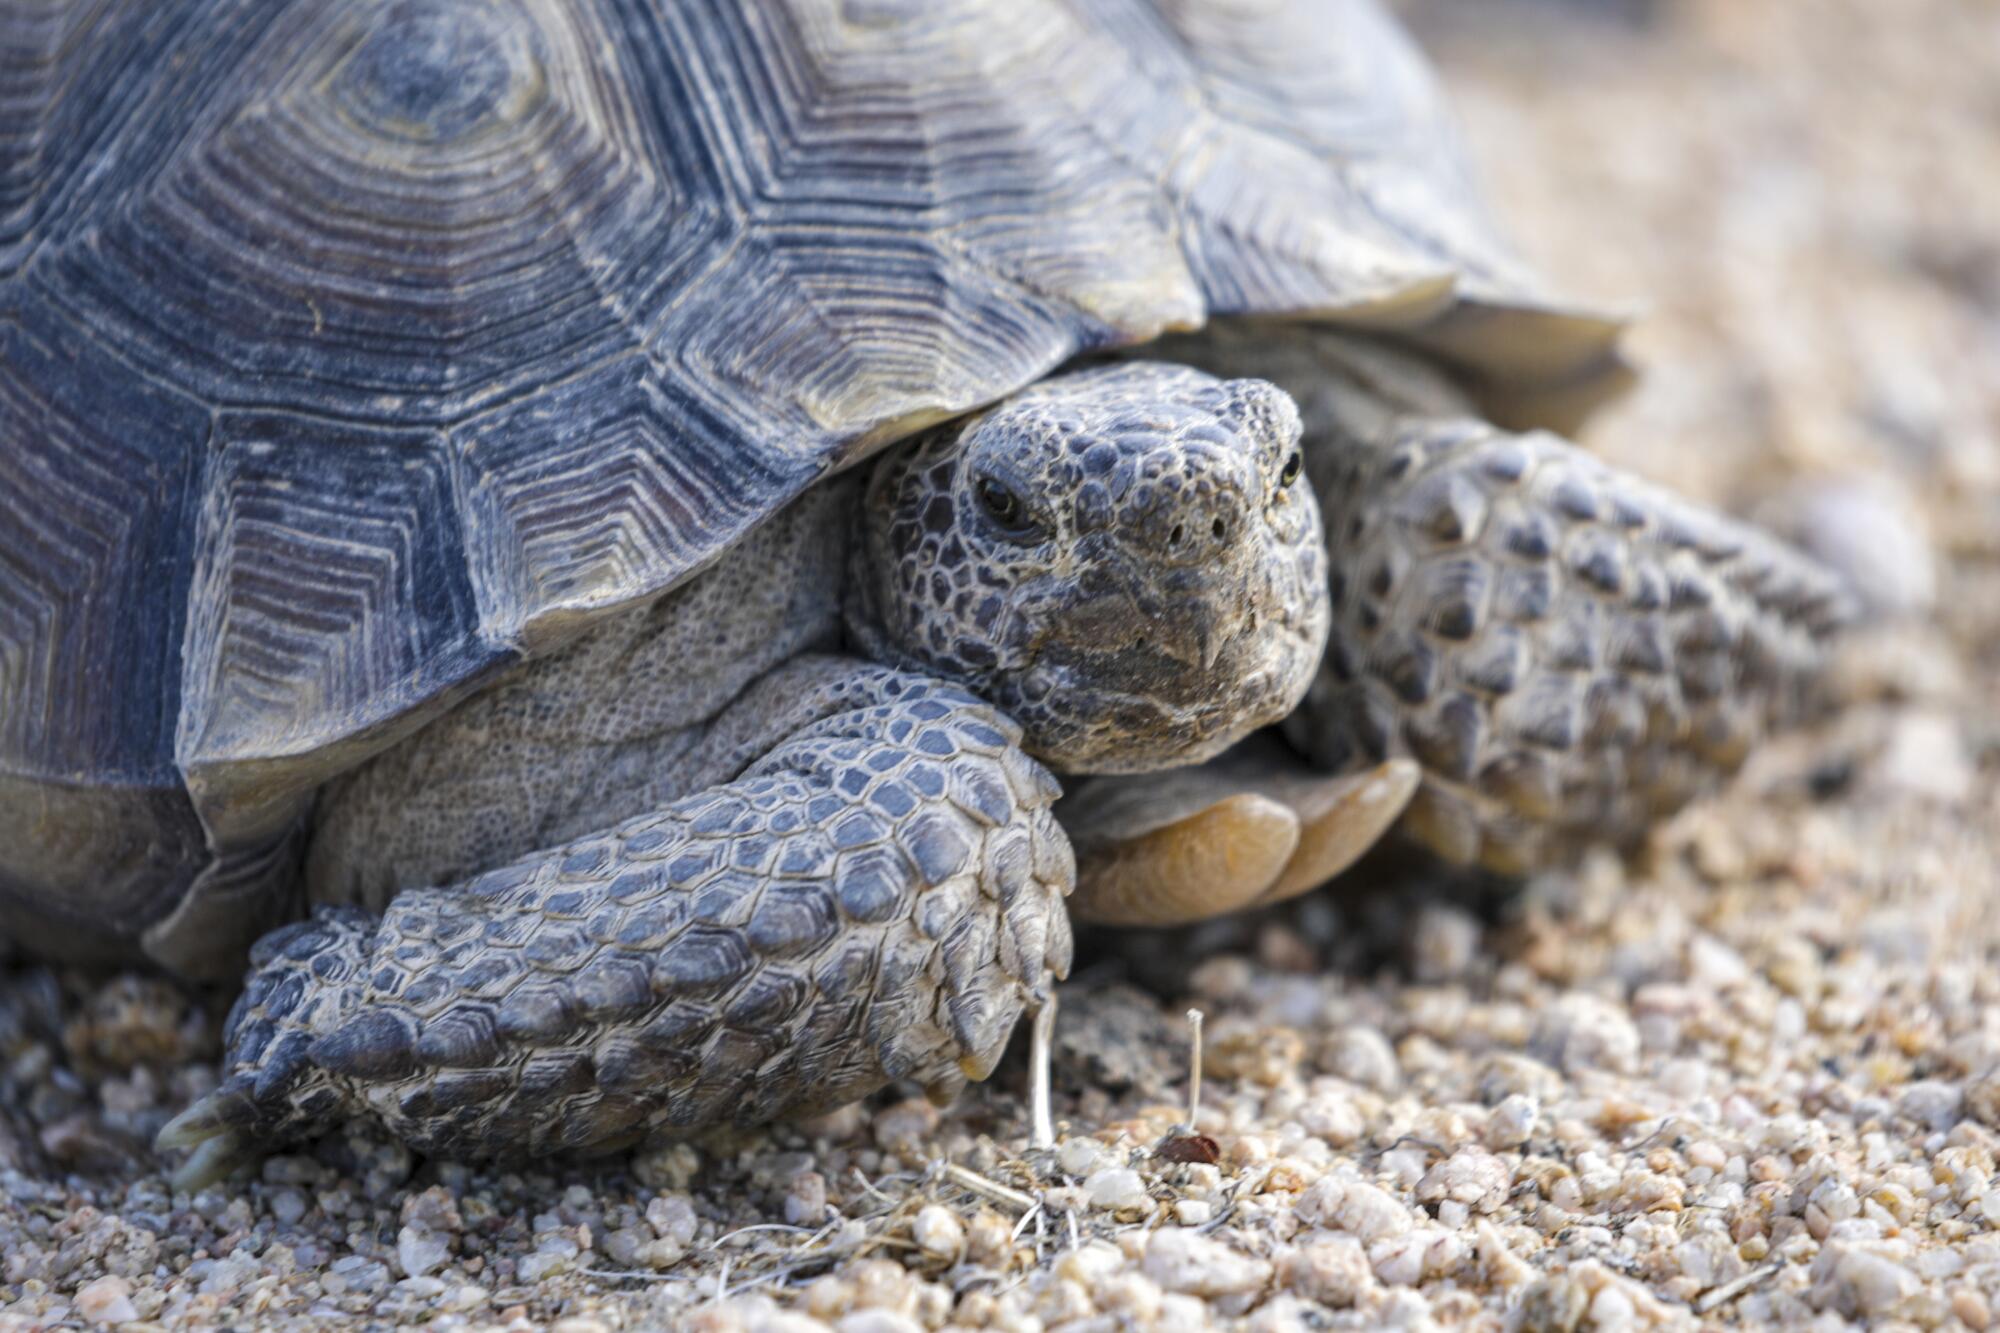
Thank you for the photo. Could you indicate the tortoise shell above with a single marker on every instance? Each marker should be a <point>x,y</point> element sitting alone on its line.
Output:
<point>352,353</point>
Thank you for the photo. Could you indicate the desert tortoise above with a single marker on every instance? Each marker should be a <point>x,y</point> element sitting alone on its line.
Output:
<point>432,513</point>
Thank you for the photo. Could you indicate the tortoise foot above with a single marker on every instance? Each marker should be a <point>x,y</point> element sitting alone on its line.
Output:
<point>876,898</point>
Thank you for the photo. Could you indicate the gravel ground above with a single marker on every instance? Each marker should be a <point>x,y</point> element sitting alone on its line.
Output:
<point>1751,1077</point>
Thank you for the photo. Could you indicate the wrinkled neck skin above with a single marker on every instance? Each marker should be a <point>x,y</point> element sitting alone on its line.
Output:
<point>1123,559</point>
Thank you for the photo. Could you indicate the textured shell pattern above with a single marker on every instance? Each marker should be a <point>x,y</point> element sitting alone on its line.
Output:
<point>350,353</point>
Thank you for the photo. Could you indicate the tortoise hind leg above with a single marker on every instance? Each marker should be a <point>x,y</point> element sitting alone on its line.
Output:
<point>877,897</point>
<point>1253,827</point>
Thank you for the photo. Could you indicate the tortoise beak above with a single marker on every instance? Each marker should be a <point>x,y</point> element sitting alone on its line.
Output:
<point>1172,637</point>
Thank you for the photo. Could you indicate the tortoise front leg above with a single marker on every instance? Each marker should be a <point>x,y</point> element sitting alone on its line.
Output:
<point>1531,651</point>
<point>1569,652</point>
<point>875,898</point>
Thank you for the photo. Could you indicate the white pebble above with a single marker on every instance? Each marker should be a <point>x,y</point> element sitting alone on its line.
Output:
<point>1925,756</point>
<point>1181,1261</point>
<point>1406,1260</point>
<point>1193,1212</point>
<point>1871,531</point>
<point>1091,1265</point>
<point>1708,1260</point>
<point>1611,1309</point>
<point>108,1300</point>
<point>805,1202</point>
<point>1444,941</point>
<point>1117,1188</point>
<point>672,1217</point>
<point>1363,1055</point>
<point>1932,1102</point>
<point>938,1232</point>
<point>1332,1116</point>
<point>1079,1157</point>
<point>235,1270</point>
<point>878,1321</point>
<point>542,1263</point>
<point>421,1251</point>
<point>1685,1080</point>
<point>1509,1124</point>
<point>1352,1206</point>
<point>1407,1164</point>
<point>1713,965</point>
<point>1469,1176</point>
<point>905,1125</point>
<point>1333,1271</point>
<point>1856,1281</point>
<point>1582,1032</point>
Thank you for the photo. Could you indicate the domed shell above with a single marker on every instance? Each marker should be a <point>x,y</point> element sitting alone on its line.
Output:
<point>350,353</point>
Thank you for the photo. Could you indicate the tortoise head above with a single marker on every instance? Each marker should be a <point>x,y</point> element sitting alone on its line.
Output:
<point>1126,559</point>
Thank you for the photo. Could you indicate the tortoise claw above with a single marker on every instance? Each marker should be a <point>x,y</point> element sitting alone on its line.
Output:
<point>213,1127</point>
<point>219,1112</point>
<point>214,1160</point>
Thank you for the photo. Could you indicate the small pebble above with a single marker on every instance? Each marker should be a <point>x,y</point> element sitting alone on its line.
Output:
<point>1509,1124</point>
<point>1859,1282</point>
<point>107,1300</point>
<point>939,1233</point>
<point>1119,1189</point>
<point>1182,1261</point>
<point>904,1126</point>
<point>420,1250</point>
<point>1581,1032</point>
<point>1363,1055</point>
<point>805,1203</point>
<point>1079,1156</point>
<point>1334,1271</point>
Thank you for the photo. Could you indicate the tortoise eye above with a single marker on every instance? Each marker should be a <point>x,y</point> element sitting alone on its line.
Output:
<point>1004,507</point>
<point>1295,463</point>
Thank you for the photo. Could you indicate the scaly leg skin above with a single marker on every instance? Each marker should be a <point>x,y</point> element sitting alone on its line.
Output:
<point>875,898</point>
<point>1253,827</point>
<point>1569,652</point>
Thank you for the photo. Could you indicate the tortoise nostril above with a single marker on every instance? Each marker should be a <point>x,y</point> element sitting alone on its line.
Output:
<point>1179,528</point>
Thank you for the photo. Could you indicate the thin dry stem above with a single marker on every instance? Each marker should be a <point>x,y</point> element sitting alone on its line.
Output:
<point>990,1189</point>
<point>1042,1131</point>
<point>1194,1017</point>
